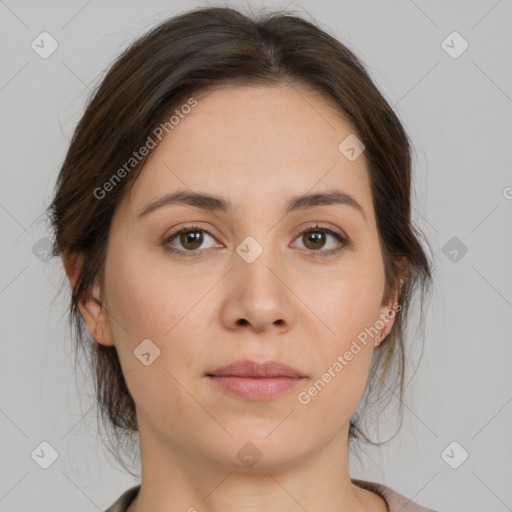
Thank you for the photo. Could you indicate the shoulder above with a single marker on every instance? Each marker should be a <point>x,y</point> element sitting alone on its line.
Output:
<point>395,501</point>
<point>122,503</point>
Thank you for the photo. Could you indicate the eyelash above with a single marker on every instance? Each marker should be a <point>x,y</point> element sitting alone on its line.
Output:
<point>316,228</point>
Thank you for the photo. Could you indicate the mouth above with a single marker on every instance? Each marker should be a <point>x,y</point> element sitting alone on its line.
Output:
<point>255,381</point>
<point>248,368</point>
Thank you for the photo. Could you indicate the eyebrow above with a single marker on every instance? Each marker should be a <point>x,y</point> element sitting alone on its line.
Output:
<point>216,203</point>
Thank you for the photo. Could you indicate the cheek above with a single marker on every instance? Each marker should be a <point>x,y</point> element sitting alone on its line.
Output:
<point>351,304</point>
<point>348,308</point>
<point>343,363</point>
<point>145,305</point>
<point>146,297</point>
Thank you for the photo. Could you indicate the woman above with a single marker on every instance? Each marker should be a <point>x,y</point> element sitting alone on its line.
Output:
<point>233,215</point>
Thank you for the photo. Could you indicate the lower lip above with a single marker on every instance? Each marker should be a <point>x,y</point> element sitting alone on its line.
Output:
<point>255,388</point>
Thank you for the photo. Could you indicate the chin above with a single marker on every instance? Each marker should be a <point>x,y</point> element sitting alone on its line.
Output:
<point>250,451</point>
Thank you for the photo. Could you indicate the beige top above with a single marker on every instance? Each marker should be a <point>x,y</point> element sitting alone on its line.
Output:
<point>395,502</point>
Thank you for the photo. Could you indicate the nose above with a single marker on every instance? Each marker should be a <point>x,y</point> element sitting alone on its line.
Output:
<point>258,296</point>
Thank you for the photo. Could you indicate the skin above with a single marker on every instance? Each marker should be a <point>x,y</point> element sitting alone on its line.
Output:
<point>256,146</point>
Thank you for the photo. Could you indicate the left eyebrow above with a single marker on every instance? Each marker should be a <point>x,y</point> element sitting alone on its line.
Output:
<point>216,203</point>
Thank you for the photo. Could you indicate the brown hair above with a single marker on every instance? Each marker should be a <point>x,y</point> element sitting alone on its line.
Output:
<point>193,51</point>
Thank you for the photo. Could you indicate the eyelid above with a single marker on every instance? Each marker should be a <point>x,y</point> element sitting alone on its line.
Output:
<point>342,239</point>
<point>189,227</point>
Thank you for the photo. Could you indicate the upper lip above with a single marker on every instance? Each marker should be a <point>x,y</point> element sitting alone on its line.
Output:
<point>248,368</point>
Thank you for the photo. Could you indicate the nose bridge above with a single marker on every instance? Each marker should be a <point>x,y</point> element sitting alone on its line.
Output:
<point>256,262</point>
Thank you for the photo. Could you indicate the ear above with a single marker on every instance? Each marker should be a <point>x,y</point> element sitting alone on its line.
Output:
<point>401,264</point>
<point>93,312</point>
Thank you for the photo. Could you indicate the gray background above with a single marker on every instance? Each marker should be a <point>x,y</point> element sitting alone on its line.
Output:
<point>458,114</point>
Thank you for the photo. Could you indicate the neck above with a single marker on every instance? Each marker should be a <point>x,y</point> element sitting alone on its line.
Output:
<point>176,480</point>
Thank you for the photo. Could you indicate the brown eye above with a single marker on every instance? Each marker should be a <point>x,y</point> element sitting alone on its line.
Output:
<point>188,240</point>
<point>191,240</point>
<point>314,239</point>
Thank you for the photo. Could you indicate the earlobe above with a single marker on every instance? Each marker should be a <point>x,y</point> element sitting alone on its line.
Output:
<point>92,310</point>
<point>95,316</point>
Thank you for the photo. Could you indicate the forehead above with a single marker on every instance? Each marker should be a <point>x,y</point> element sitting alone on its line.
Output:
<point>254,144</point>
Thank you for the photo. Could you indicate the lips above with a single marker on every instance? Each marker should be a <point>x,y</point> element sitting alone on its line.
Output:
<point>248,368</point>
<point>253,381</point>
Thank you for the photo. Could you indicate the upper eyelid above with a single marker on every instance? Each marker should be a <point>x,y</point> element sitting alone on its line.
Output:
<point>310,227</point>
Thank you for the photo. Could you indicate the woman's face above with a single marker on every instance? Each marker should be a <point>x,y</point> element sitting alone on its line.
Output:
<point>249,282</point>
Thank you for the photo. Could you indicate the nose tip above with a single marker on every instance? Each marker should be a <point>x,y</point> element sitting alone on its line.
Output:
<point>257,297</point>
